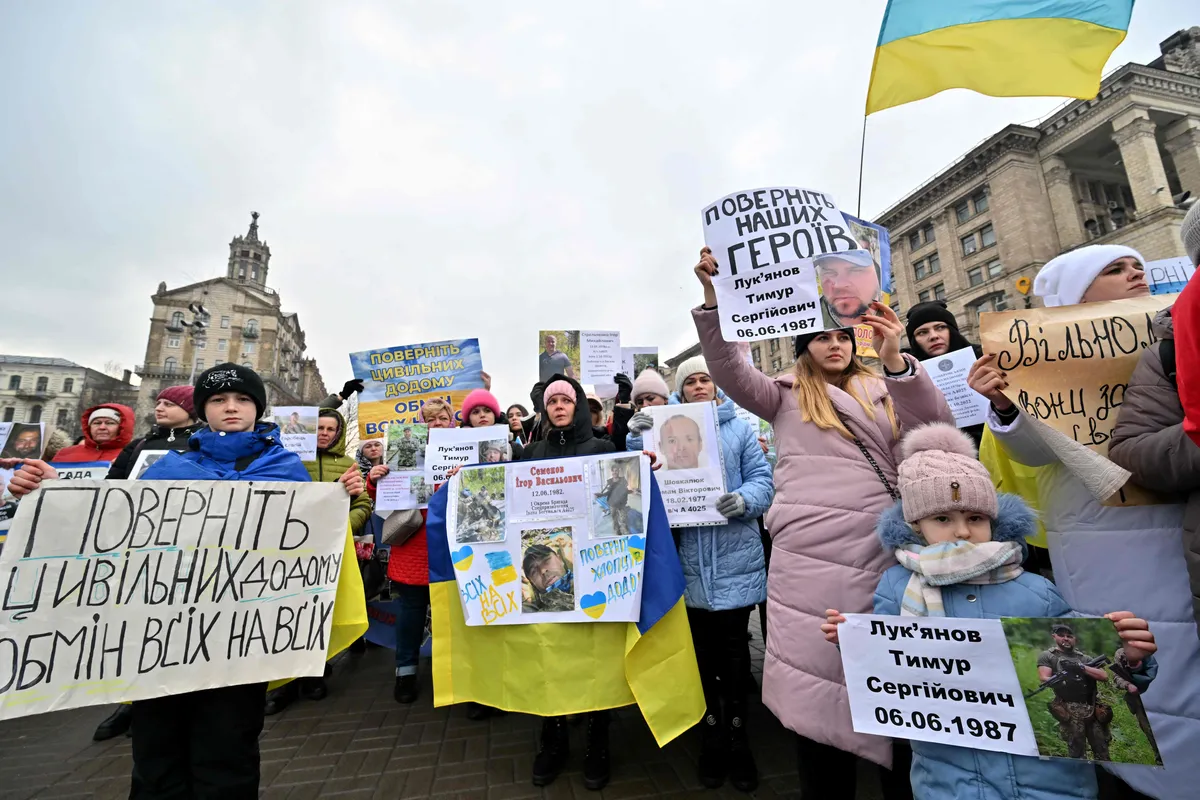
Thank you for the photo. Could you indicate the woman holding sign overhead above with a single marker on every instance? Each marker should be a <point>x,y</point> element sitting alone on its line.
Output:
<point>837,431</point>
<point>1106,556</point>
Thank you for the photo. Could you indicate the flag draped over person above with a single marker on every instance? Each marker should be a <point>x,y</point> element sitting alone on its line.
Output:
<point>1003,48</point>
<point>551,669</point>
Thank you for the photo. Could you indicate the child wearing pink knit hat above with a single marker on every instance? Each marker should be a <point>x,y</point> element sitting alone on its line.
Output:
<point>960,546</point>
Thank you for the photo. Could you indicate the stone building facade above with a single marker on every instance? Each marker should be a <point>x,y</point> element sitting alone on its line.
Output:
<point>1108,170</point>
<point>56,391</point>
<point>241,320</point>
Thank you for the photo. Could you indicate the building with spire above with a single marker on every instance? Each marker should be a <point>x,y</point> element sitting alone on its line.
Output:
<point>232,318</point>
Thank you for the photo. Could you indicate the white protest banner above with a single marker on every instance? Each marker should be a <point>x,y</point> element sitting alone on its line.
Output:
<point>686,440</point>
<point>458,447</point>
<point>765,241</point>
<point>298,429</point>
<point>574,555</point>
<point>599,355</point>
<point>949,373</point>
<point>935,679</point>
<point>122,590</point>
<point>1169,275</point>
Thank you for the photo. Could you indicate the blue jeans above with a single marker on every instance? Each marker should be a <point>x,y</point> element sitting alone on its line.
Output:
<point>413,602</point>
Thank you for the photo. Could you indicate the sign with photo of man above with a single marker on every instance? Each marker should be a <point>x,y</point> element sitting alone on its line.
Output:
<point>686,440</point>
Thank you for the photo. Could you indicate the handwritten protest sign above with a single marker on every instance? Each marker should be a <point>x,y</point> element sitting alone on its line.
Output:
<point>1068,366</point>
<point>550,541</point>
<point>398,380</point>
<point>1169,275</point>
<point>949,373</point>
<point>298,429</point>
<point>458,447</point>
<point>121,590</point>
<point>943,680</point>
<point>692,477</point>
<point>765,241</point>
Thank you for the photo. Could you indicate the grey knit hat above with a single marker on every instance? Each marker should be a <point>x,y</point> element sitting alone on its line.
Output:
<point>1190,233</point>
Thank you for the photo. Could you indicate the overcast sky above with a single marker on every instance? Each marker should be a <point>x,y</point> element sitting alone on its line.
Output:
<point>441,170</point>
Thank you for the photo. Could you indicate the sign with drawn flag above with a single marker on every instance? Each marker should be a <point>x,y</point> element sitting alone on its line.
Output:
<point>550,669</point>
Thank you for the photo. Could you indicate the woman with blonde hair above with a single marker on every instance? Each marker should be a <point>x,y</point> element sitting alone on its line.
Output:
<point>837,426</point>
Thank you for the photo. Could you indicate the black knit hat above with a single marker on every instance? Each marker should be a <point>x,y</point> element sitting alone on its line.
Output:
<point>801,342</point>
<point>229,377</point>
<point>923,313</point>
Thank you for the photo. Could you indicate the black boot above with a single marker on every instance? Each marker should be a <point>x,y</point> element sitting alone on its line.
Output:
<point>712,749</point>
<point>115,724</point>
<point>743,772</point>
<point>313,688</point>
<point>358,646</point>
<point>281,698</point>
<point>597,762</point>
<point>406,689</point>
<point>552,755</point>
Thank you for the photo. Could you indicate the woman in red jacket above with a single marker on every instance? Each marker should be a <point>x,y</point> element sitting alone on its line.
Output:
<point>107,428</point>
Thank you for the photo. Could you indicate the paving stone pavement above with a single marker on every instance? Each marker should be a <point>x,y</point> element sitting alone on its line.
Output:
<point>358,743</point>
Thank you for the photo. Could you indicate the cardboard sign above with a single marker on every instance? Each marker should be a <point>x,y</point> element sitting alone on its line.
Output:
<point>687,442</point>
<point>558,540</point>
<point>949,374</point>
<point>122,590</point>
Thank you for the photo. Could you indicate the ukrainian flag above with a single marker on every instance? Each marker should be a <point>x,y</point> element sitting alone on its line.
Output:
<point>553,669</point>
<point>1009,476</point>
<point>1003,48</point>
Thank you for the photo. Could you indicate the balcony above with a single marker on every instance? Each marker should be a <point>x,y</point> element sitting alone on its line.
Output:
<point>35,394</point>
<point>249,333</point>
<point>173,328</point>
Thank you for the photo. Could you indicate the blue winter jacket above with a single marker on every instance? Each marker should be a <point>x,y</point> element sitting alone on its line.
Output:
<point>723,564</point>
<point>940,770</point>
<point>212,456</point>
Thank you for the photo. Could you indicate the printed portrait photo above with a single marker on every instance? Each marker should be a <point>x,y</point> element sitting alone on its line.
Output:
<point>616,506</point>
<point>480,506</point>
<point>494,451</point>
<point>558,354</point>
<point>296,420</point>
<point>848,283</point>
<point>24,441</point>
<point>644,361</point>
<point>406,445</point>
<point>685,436</point>
<point>547,570</point>
<point>145,459</point>
<point>1082,691</point>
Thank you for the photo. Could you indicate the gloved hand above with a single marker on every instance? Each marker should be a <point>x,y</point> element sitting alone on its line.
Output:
<point>624,387</point>
<point>640,422</point>
<point>731,505</point>
<point>535,396</point>
<point>350,387</point>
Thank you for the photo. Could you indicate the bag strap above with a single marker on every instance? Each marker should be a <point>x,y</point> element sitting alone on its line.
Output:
<point>892,493</point>
<point>1166,352</point>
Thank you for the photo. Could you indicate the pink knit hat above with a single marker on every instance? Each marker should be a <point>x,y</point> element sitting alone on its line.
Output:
<point>180,396</point>
<point>480,397</point>
<point>559,387</point>
<point>940,473</point>
<point>650,382</point>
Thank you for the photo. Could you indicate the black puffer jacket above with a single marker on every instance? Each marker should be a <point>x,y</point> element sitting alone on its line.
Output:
<point>159,438</point>
<point>957,342</point>
<point>577,440</point>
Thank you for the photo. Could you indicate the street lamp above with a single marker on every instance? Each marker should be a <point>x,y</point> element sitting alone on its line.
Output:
<point>198,328</point>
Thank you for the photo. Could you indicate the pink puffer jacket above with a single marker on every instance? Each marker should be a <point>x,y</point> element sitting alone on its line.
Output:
<point>822,523</point>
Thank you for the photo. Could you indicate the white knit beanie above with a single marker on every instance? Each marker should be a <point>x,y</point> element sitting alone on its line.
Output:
<point>1065,279</point>
<point>1190,233</point>
<point>687,369</point>
<point>104,413</point>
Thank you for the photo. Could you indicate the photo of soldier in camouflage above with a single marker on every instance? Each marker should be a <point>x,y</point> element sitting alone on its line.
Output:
<point>406,446</point>
<point>547,570</point>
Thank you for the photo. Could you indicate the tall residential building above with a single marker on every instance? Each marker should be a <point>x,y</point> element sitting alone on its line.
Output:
<point>56,391</point>
<point>242,321</point>
<point>1107,170</point>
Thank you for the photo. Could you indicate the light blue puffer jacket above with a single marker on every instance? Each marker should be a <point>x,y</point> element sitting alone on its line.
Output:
<point>723,564</point>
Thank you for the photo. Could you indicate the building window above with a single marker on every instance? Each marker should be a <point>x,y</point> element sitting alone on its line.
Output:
<point>222,344</point>
<point>8,414</point>
<point>169,366</point>
<point>975,275</point>
<point>60,419</point>
<point>968,244</point>
<point>254,272</point>
<point>250,326</point>
<point>921,236</point>
<point>992,302</point>
<point>776,365</point>
<point>224,322</point>
<point>199,365</point>
<point>43,383</point>
<point>244,254</point>
<point>35,414</point>
<point>994,270</point>
<point>924,296</point>
<point>68,385</point>
<point>939,292</point>
<point>757,355</point>
<point>172,341</point>
<point>774,346</point>
<point>258,256</point>
<point>200,344</point>
<point>14,382</point>
<point>895,304</point>
<point>988,235</point>
<point>247,347</point>
<point>176,320</point>
<point>962,211</point>
<point>927,266</point>
<point>980,201</point>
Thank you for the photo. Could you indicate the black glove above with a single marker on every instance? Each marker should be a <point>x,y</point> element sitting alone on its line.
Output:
<point>624,387</point>
<point>539,389</point>
<point>350,387</point>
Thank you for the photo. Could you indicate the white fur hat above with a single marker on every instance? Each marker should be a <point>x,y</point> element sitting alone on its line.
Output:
<point>1065,279</point>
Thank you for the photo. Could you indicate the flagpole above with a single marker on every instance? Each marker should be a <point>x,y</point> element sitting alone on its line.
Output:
<point>862,152</point>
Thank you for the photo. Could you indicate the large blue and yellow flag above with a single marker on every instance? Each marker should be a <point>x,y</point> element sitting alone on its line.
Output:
<point>1003,48</point>
<point>551,669</point>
